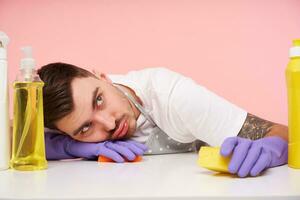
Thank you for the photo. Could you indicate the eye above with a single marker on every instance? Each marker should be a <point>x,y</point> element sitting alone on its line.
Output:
<point>85,129</point>
<point>99,100</point>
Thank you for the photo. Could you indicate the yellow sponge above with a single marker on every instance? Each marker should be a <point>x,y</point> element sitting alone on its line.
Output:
<point>210,158</point>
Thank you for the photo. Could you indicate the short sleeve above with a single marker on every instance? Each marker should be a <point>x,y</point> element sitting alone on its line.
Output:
<point>196,112</point>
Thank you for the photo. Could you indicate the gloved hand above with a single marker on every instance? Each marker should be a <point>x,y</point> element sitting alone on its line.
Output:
<point>59,146</point>
<point>254,156</point>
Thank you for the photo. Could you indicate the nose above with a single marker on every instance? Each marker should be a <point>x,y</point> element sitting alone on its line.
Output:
<point>106,120</point>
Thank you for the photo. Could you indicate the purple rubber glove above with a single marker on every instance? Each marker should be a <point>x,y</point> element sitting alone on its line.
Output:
<point>251,157</point>
<point>59,146</point>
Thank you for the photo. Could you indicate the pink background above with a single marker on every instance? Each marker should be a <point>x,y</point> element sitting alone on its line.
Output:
<point>238,49</point>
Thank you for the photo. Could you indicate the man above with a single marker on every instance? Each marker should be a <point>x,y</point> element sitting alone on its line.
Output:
<point>166,111</point>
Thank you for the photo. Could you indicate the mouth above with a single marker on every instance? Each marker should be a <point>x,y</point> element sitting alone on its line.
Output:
<point>122,129</point>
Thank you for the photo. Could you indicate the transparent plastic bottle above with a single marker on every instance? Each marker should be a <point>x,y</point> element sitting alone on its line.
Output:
<point>293,89</point>
<point>28,145</point>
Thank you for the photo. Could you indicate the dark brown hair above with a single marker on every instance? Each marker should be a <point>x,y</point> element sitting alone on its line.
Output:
<point>57,91</point>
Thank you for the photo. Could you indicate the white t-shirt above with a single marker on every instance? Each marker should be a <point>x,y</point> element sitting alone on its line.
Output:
<point>183,109</point>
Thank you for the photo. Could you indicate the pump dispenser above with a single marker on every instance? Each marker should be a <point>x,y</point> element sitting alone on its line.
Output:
<point>28,146</point>
<point>4,117</point>
<point>27,64</point>
<point>293,88</point>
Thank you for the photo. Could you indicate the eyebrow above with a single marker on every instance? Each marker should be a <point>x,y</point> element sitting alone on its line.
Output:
<point>76,131</point>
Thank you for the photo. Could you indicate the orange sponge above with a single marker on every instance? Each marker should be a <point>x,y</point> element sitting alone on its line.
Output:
<point>105,159</point>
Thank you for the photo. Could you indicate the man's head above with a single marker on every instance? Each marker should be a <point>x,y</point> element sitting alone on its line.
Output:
<point>84,106</point>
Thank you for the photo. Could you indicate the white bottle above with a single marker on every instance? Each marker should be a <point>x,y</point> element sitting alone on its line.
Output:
<point>5,142</point>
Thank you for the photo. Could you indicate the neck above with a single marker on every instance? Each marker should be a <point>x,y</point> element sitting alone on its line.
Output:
<point>133,94</point>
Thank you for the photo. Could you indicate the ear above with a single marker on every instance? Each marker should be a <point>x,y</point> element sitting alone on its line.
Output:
<point>102,76</point>
<point>105,78</point>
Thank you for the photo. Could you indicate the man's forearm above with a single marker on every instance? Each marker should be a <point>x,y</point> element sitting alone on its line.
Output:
<point>279,130</point>
<point>256,128</point>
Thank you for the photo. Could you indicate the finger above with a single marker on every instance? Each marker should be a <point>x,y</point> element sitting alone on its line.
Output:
<point>228,146</point>
<point>135,149</point>
<point>239,154</point>
<point>124,151</point>
<point>140,145</point>
<point>112,155</point>
<point>261,164</point>
<point>249,162</point>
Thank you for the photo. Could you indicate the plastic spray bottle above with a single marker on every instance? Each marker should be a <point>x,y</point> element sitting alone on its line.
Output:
<point>4,117</point>
<point>293,89</point>
<point>28,146</point>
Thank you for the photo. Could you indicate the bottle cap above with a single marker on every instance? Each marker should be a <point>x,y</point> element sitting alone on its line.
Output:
<point>27,62</point>
<point>295,49</point>
<point>296,43</point>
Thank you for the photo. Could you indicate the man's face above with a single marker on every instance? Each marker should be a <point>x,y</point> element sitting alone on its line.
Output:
<point>101,112</point>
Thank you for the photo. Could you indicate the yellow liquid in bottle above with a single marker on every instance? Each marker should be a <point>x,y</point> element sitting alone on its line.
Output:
<point>28,146</point>
<point>293,89</point>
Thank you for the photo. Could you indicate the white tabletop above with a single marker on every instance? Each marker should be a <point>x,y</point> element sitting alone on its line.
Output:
<point>173,176</point>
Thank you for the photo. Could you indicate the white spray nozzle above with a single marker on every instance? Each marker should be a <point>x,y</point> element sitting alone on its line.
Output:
<point>27,62</point>
<point>4,40</point>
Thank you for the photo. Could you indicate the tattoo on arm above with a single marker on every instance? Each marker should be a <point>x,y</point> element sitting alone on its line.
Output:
<point>255,128</point>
